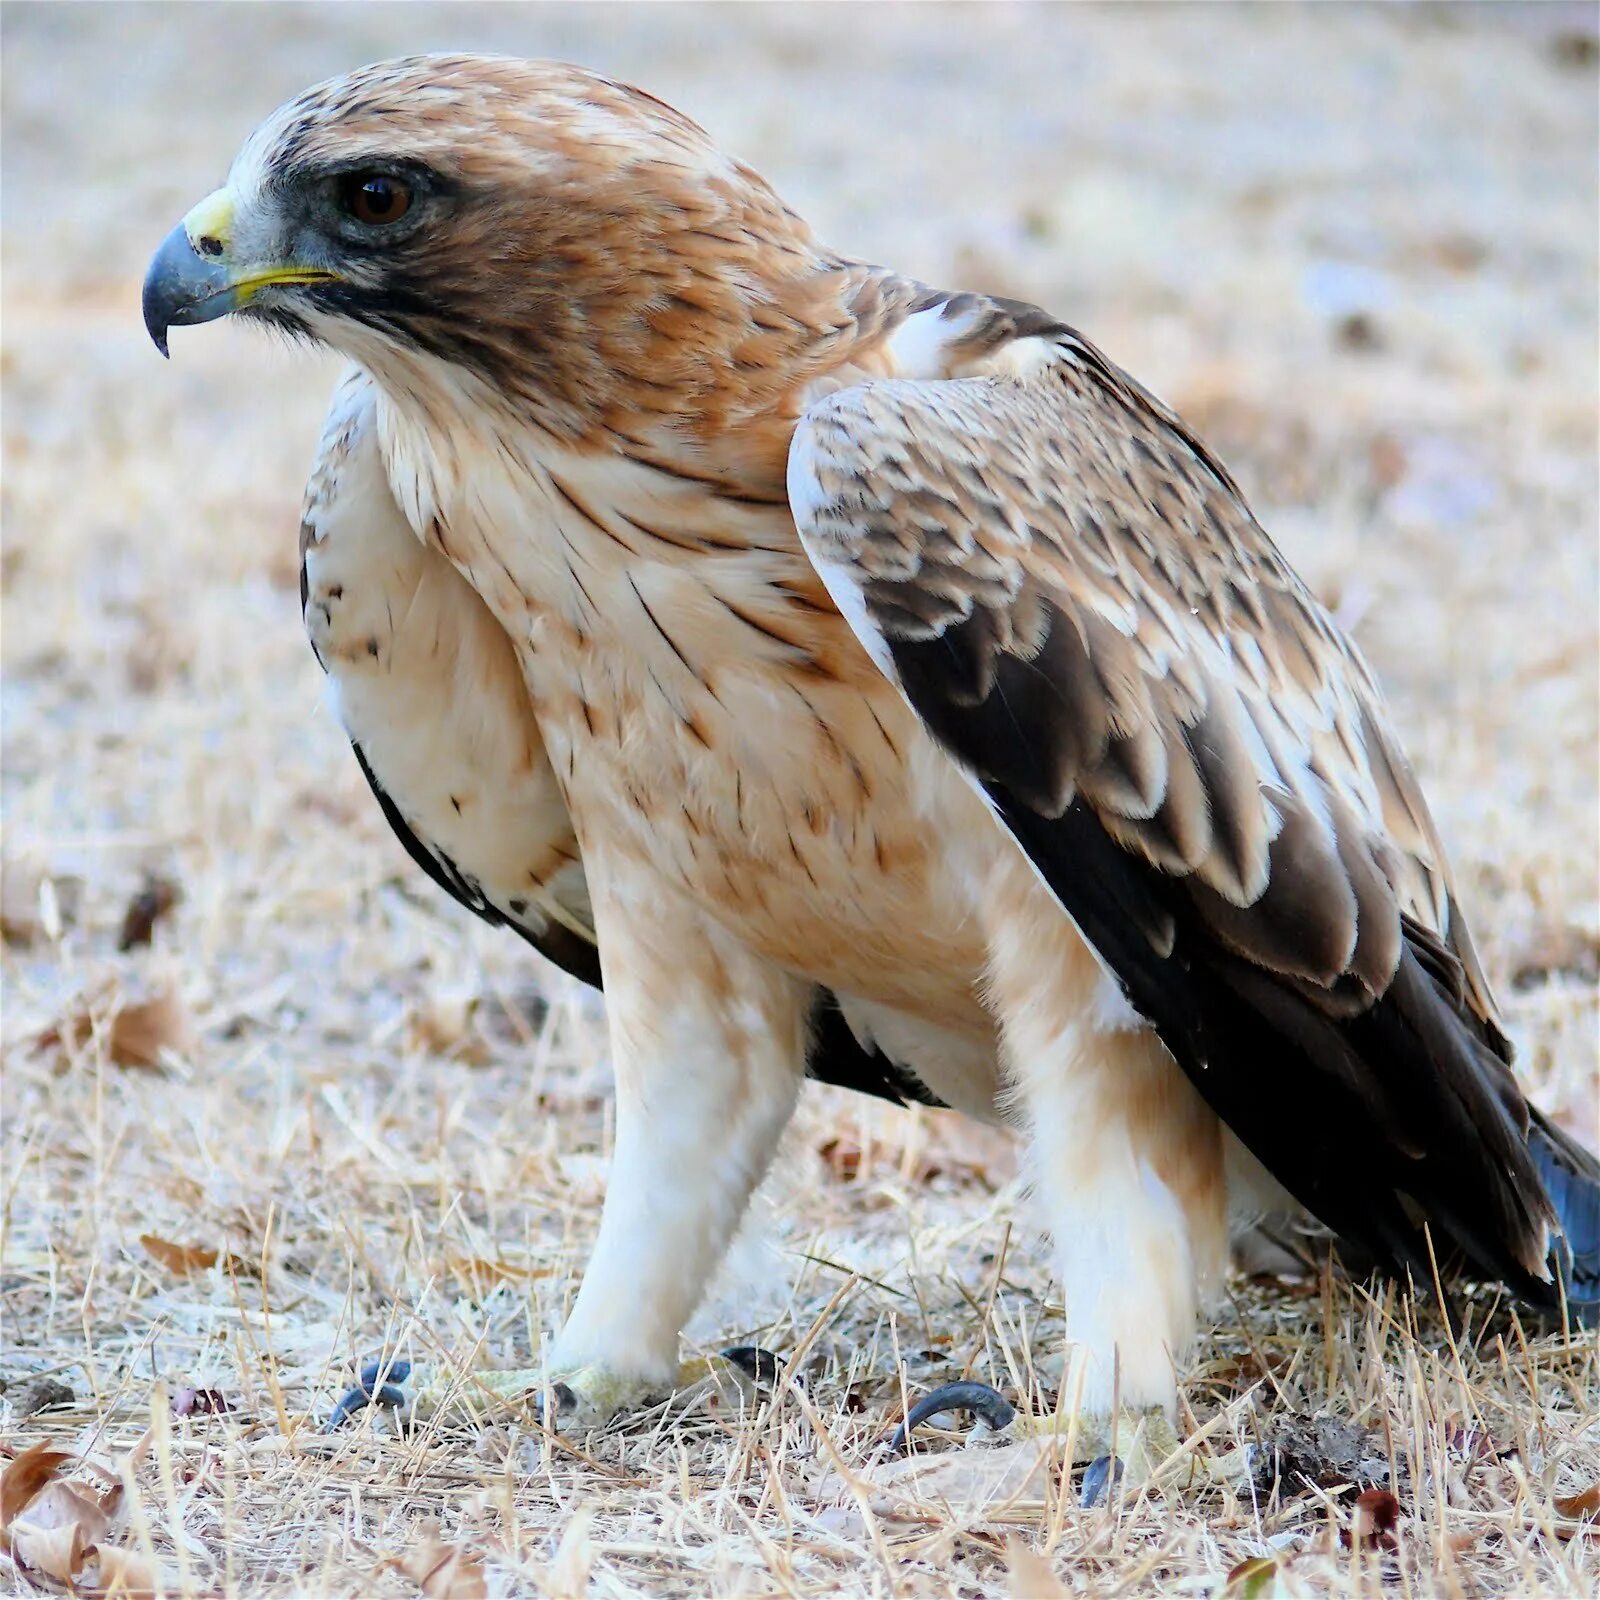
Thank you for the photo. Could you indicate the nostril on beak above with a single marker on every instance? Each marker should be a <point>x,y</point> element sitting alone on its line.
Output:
<point>208,246</point>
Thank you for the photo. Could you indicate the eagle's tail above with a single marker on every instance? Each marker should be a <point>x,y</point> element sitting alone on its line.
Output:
<point>1571,1178</point>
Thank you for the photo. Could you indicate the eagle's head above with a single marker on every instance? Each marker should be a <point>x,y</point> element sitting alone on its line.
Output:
<point>533,224</point>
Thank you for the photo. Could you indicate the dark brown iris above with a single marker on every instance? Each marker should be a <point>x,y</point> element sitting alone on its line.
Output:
<point>375,198</point>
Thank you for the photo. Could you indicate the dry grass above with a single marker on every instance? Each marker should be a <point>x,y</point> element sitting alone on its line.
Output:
<point>1357,249</point>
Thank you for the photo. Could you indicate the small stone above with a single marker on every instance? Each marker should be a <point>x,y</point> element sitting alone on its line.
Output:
<point>40,1394</point>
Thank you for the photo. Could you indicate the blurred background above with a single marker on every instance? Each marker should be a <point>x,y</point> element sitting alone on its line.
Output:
<point>1355,246</point>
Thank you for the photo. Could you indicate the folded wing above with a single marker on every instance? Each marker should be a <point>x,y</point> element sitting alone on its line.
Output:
<point>1071,593</point>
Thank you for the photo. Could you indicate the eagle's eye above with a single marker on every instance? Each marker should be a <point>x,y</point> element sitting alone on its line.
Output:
<point>375,198</point>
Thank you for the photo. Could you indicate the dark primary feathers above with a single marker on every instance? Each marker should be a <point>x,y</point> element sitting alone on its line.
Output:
<point>1073,596</point>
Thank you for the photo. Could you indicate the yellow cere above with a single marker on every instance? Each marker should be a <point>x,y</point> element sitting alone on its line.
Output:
<point>212,219</point>
<point>210,229</point>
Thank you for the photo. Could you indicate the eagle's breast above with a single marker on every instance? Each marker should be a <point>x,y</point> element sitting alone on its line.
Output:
<point>706,710</point>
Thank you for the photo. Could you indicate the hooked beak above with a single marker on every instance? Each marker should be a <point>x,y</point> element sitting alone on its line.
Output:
<point>194,278</point>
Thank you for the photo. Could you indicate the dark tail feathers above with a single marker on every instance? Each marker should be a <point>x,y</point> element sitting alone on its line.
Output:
<point>1571,1178</point>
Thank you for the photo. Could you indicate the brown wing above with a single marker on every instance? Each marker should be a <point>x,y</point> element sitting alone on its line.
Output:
<point>1073,596</point>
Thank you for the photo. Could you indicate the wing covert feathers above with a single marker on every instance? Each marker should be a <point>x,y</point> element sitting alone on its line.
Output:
<point>1071,593</point>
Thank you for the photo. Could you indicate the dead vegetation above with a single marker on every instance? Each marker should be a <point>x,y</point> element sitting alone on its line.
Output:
<point>271,1107</point>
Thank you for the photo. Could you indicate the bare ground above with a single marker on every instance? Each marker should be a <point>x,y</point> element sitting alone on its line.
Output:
<point>322,1113</point>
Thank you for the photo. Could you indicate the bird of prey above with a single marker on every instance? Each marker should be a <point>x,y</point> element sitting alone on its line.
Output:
<point>868,681</point>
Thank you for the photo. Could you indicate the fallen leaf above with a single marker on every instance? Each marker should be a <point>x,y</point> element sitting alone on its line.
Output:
<point>130,1572</point>
<point>56,1552</point>
<point>1359,331</point>
<point>1575,48</point>
<point>58,1531</point>
<point>1578,1506</point>
<point>64,1504</point>
<point>1372,1526</point>
<point>444,1572</point>
<point>26,1476</point>
<point>143,1033</point>
<point>39,1394</point>
<point>179,1258</point>
<point>1324,1452</point>
<point>155,899</point>
<point>1255,1579</point>
<point>843,1157</point>
<point>1031,1575</point>
<point>445,1024</point>
<point>199,1403</point>
<point>138,1034</point>
<point>1386,460</point>
<point>158,654</point>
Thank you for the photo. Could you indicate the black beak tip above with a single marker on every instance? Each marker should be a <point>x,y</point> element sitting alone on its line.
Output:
<point>155,317</point>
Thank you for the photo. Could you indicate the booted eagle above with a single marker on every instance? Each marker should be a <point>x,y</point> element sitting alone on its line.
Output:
<point>863,681</point>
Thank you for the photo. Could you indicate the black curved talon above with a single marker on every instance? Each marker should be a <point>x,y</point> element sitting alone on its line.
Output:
<point>368,1390</point>
<point>987,1404</point>
<point>1101,1475</point>
<point>758,1365</point>
<point>550,1404</point>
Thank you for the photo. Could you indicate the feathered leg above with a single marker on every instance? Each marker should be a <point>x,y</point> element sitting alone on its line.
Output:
<point>1127,1158</point>
<point>708,1043</point>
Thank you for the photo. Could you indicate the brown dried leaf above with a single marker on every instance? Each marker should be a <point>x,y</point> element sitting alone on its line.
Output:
<point>179,1258</point>
<point>139,1033</point>
<point>444,1572</point>
<point>26,1476</point>
<point>199,1403</point>
<point>843,1157</point>
<point>56,1552</point>
<point>446,1024</point>
<point>155,899</point>
<point>39,1394</point>
<point>1586,1503</point>
<point>1030,1575</point>
<point>1386,460</point>
<point>1324,1452</point>
<point>143,1032</point>
<point>59,1530</point>
<point>1373,1524</point>
<point>61,1504</point>
<point>1255,1579</point>
<point>128,1573</point>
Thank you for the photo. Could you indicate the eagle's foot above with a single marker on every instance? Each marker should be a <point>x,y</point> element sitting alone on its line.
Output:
<point>1126,1450</point>
<point>576,1401</point>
